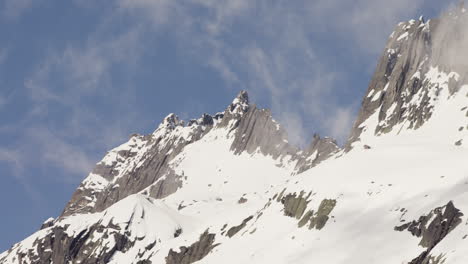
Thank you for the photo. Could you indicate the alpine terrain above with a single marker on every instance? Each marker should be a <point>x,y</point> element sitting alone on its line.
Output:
<point>230,188</point>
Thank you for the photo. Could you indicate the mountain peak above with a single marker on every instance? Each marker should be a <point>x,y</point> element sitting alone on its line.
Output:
<point>171,121</point>
<point>421,66</point>
<point>242,97</point>
<point>240,103</point>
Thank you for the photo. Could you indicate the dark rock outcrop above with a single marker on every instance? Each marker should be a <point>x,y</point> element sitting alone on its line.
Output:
<point>48,223</point>
<point>235,229</point>
<point>432,228</point>
<point>193,253</point>
<point>295,205</point>
<point>318,219</point>
<point>59,247</point>
<point>319,150</point>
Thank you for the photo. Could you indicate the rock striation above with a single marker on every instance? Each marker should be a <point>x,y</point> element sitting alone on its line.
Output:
<point>422,59</point>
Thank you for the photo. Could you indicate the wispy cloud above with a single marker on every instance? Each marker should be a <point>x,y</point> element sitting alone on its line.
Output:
<point>274,49</point>
<point>12,157</point>
<point>3,55</point>
<point>63,83</point>
<point>451,34</point>
<point>366,22</point>
<point>59,153</point>
<point>12,9</point>
<point>15,160</point>
<point>3,101</point>
<point>3,58</point>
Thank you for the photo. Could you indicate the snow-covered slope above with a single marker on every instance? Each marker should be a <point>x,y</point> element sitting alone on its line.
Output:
<point>229,188</point>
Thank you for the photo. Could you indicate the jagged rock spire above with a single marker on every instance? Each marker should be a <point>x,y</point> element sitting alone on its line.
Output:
<point>421,62</point>
<point>319,150</point>
<point>240,103</point>
<point>171,121</point>
<point>242,98</point>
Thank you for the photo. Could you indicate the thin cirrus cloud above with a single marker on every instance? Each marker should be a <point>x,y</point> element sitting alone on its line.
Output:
<point>276,50</point>
<point>59,87</point>
<point>3,55</point>
<point>12,9</point>
<point>279,53</point>
<point>3,58</point>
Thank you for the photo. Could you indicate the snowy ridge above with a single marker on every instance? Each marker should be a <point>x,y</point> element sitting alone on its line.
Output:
<point>140,220</point>
<point>150,157</point>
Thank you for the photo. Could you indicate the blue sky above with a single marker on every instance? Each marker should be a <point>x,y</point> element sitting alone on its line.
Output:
<point>78,77</point>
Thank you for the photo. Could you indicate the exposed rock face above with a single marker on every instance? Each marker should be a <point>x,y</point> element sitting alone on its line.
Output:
<point>318,219</point>
<point>48,223</point>
<point>319,150</point>
<point>59,247</point>
<point>138,165</point>
<point>432,228</point>
<point>235,229</point>
<point>295,205</point>
<point>420,59</point>
<point>97,238</point>
<point>258,131</point>
<point>193,253</point>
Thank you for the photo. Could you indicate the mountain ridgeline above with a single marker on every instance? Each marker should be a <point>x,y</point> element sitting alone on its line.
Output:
<point>420,59</point>
<point>230,188</point>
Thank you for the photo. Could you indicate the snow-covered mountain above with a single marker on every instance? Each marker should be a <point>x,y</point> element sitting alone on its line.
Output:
<point>229,188</point>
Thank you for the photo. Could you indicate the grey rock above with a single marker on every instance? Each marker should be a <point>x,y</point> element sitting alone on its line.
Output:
<point>193,253</point>
<point>155,165</point>
<point>58,247</point>
<point>401,73</point>
<point>295,205</point>
<point>235,229</point>
<point>242,200</point>
<point>319,219</point>
<point>319,150</point>
<point>47,223</point>
<point>258,131</point>
<point>442,221</point>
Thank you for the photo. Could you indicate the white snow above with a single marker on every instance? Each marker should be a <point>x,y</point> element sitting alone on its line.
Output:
<point>376,96</point>
<point>391,109</point>
<point>94,181</point>
<point>403,36</point>
<point>416,75</point>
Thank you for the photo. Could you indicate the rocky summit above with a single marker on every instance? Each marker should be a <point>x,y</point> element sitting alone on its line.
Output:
<point>230,188</point>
